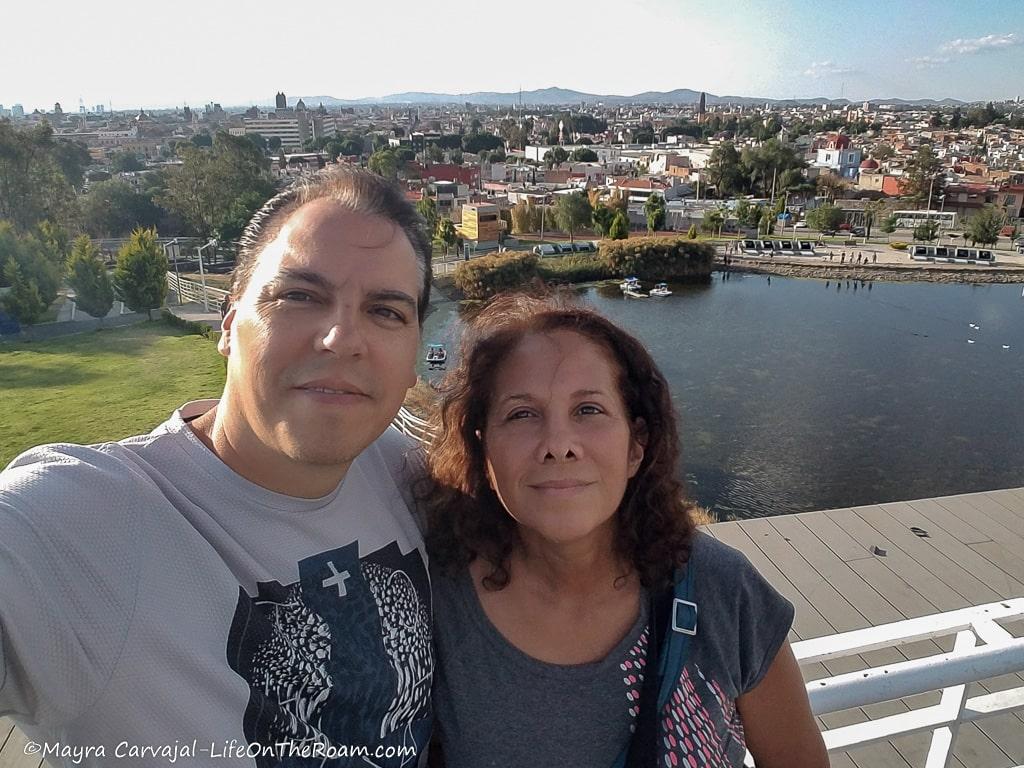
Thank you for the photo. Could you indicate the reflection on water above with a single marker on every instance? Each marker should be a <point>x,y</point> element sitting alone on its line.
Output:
<point>797,395</point>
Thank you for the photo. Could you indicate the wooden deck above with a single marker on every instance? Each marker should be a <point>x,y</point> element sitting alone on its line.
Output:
<point>822,561</point>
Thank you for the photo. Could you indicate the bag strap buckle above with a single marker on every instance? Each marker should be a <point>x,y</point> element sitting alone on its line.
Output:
<point>684,616</point>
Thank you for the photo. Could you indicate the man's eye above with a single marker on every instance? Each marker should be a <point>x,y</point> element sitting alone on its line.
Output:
<point>300,296</point>
<point>390,313</point>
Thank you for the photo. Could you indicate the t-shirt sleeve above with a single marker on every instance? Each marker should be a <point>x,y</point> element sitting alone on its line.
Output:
<point>753,619</point>
<point>69,568</point>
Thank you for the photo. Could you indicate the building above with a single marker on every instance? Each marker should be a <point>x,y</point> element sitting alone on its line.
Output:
<point>294,129</point>
<point>17,111</point>
<point>280,102</point>
<point>481,225</point>
<point>838,155</point>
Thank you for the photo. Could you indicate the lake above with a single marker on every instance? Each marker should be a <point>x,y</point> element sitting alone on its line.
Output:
<point>797,395</point>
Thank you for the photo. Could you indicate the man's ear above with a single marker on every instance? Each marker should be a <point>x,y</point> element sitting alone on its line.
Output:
<point>637,444</point>
<point>226,328</point>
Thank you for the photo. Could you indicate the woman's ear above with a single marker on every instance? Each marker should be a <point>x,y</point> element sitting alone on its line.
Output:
<point>637,444</point>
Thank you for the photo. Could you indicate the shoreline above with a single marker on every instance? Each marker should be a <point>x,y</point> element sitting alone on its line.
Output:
<point>932,273</point>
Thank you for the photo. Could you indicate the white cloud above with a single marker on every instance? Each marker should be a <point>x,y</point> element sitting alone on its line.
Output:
<point>826,68</point>
<point>928,62</point>
<point>977,44</point>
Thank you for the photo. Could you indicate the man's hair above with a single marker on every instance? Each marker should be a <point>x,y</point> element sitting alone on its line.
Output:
<point>355,189</point>
<point>466,519</point>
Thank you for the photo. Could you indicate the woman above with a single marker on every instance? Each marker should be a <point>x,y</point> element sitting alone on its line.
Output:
<point>557,529</point>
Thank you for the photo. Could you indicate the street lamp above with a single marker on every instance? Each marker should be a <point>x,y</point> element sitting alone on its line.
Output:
<point>202,273</point>
<point>177,275</point>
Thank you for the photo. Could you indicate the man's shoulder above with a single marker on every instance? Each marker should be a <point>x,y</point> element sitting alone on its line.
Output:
<point>395,452</point>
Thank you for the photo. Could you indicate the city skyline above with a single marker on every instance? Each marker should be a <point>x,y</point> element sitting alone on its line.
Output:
<point>784,49</point>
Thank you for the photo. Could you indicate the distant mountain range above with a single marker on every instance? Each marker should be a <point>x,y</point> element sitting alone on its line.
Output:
<point>558,96</point>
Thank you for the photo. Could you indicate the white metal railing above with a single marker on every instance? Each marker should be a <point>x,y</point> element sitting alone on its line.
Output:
<point>190,290</point>
<point>413,426</point>
<point>982,649</point>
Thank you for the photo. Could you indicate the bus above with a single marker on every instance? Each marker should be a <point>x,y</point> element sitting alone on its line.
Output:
<point>911,219</point>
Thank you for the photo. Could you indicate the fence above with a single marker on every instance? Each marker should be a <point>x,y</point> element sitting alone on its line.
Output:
<point>982,649</point>
<point>190,290</point>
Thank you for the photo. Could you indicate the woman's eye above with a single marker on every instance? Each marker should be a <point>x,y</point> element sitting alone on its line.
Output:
<point>588,410</point>
<point>520,414</point>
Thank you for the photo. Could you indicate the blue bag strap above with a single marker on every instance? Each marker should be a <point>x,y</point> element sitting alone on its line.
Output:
<point>682,626</point>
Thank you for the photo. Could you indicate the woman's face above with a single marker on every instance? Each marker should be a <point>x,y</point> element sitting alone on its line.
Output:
<point>558,441</point>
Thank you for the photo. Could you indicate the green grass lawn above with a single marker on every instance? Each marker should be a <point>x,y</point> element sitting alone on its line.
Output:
<point>99,386</point>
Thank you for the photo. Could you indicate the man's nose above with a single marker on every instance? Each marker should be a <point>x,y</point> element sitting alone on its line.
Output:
<point>343,336</point>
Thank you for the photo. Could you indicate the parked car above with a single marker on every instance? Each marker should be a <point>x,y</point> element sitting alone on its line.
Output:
<point>828,232</point>
<point>858,231</point>
<point>583,247</point>
<point>800,225</point>
<point>547,249</point>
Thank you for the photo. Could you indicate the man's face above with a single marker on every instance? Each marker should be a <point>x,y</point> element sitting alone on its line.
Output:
<point>322,344</point>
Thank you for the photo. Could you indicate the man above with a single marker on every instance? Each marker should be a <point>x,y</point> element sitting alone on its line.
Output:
<point>248,573</point>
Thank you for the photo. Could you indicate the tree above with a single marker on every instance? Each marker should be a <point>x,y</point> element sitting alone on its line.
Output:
<point>384,163</point>
<point>983,227</point>
<point>213,187</point>
<point>889,224</point>
<point>555,156</point>
<point>427,208</point>
<point>572,212</point>
<point>936,121</point>
<point>583,155</point>
<point>34,180</point>
<point>22,301</point>
<point>654,212</point>
<point>202,140</point>
<point>619,229</point>
<point>602,218</point>
<point>724,170</point>
<point>831,186</point>
<point>258,141</point>
<point>956,119</point>
<point>140,278</point>
<point>921,174</point>
<point>713,221</point>
<point>457,156</point>
<point>125,162</point>
<point>825,217</point>
<point>435,154</point>
<point>113,209</point>
<point>87,274</point>
<point>447,234</point>
<point>926,231</point>
<point>39,257</point>
<point>274,143</point>
<point>475,142</point>
<point>871,212</point>
<point>691,233</point>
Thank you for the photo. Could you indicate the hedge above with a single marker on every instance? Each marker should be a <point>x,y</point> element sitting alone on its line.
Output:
<point>658,258</point>
<point>575,268</point>
<point>486,276</point>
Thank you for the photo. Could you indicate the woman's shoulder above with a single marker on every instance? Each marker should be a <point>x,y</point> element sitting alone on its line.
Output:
<point>709,555</point>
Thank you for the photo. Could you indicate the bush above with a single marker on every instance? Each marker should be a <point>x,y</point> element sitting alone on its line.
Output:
<point>489,275</point>
<point>189,326</point>
<point>140,278</point>
<point>576,268</point>
<point>659,258</point>
<point>691,233</point>
<point>899,246</point>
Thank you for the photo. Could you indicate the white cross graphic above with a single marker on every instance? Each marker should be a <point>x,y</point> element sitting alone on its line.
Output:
<point>337,580</point>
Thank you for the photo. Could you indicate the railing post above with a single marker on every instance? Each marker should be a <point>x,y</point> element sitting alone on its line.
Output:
<point>953,700</point>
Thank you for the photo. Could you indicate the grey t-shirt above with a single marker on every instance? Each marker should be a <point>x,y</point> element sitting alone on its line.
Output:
<point>496,706</point>
<point>151,599</point>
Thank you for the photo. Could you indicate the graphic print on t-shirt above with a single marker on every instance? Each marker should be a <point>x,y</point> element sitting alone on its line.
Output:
<point>700,725</point>
<point>340,658</point>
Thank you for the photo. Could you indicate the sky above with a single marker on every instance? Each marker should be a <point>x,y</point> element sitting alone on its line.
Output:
<point>119,53</point>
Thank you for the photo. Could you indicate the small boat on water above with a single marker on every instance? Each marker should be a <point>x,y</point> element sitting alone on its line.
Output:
<point>630,282</point>
<point>634,292</point>
<point>437,356</point>
<point>661,289</point>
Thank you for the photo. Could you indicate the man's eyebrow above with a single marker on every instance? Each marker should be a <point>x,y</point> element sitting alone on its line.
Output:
<point>392,295</point>
<point>306,276</point>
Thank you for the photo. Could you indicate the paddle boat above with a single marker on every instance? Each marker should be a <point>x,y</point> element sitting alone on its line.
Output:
<point>437,356</point>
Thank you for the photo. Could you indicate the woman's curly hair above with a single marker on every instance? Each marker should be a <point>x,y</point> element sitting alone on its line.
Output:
<point>465,517</point>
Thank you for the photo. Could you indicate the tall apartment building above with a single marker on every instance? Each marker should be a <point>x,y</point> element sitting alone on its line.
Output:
<point>293,128</point>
